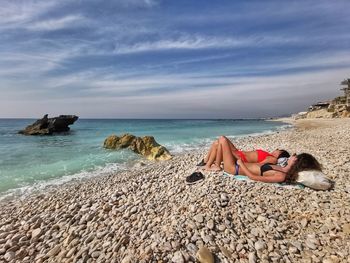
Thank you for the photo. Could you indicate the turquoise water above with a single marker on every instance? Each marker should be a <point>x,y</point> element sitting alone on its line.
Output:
<point>31,161</point>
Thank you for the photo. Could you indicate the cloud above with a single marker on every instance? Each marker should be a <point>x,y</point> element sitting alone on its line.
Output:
<point>121,57</point>
<point>201,42</point>
<point>57,23</point>
<point>18,13</point>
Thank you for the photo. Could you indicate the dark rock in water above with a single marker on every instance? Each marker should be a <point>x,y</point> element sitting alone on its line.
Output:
<point>48,126</point>
<point>146,146</point>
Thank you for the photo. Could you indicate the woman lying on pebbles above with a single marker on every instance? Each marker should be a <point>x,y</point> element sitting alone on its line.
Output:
<point>212,163</point>
<point>265,172</point>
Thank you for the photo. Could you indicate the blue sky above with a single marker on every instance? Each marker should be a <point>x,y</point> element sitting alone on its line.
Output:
<point>170,59</point>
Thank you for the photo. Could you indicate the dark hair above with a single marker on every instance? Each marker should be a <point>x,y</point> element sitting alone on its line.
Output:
<point>283,154</point>
<point>304,162</point>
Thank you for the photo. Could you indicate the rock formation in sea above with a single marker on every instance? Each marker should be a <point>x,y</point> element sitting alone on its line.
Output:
<point>146,146</point>
<point>48,126</point>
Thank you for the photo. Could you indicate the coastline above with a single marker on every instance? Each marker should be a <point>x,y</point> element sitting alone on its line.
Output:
<point>41,186</point>
<point>149,213</point>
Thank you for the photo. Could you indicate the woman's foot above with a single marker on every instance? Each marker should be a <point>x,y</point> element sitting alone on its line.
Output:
<point>213,167</point>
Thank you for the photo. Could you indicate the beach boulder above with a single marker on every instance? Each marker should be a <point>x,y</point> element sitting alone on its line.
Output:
<point>146,146</point>
<point>48,126</point>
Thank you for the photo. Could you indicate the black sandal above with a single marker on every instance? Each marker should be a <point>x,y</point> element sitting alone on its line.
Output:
<point>202,163</point>
<point>194,178</point>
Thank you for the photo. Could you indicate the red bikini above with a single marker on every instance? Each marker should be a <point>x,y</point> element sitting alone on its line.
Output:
<point>262,155</point>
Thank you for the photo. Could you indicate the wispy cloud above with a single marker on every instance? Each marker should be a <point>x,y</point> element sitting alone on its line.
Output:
<point>17,13</point>
<point>201,42</point>
<point>98,58</point>
<point>55,24</point>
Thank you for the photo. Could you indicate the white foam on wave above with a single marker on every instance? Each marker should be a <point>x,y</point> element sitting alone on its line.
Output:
<point>23,191</point>
<point>176,148</point>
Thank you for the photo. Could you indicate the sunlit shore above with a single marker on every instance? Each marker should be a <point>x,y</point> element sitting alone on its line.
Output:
<point>149,214</point>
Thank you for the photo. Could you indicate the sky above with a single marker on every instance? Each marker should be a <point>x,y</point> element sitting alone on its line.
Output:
<point>171,59</point>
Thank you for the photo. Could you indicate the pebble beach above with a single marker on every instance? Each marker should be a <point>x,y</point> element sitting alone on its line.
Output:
<point>149,214</point>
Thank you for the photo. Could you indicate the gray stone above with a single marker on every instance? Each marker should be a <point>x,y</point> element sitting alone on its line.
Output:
<point>303,222</point>
<point>221,228</point>
<point>199,218</point>
<point>297,244</point>
<point>36,233</point>
<point>310,244</point>
<point>95,254</point>
<point>261,218</point>
<point>9,256</point>
<point>54,251</point>
<point>192,249</point>
<point>224,197</point>
<point>251,257</point>
<point>210,224</point>
<point>255,232</point>
<point>178,258</point>
<point>260,245</point>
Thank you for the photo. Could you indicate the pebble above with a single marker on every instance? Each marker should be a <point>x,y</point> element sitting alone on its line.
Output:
<point>210,224</point>
<point>261,218</point>
<point>150,215</point>
<point>221,228</point>
<point>260,245</point>
<point>9,256</point>
<point>199,218</point>
<point>20,254</point>
<point>127,259</point>
<point>178,258</point>
<point>54,251</point>
<point>192,249</point>
<point>204,255</point>
<point>310,244</point>
<point>251,257</point>
<point>255,232</point>
<point>303,222</point>
<point>95,254</point>
<point>297,244</point>
<point>36,233</point>
<point>192,208</point>
<point>224,197</point>
<point>346,229</point>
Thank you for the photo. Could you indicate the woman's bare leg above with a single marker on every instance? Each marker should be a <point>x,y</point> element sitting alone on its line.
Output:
<point>232,146</point>
<point>211,155</point>
<point>226,156</point>
<point>214,158</point>
<point>212,150</point>
<point>212,165</point>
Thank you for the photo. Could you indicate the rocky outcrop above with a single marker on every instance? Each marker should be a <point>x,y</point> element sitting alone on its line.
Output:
<point>340,111</point>
<point>48,126</point>
<point>146,146</point>
<point>333,111</point>
<point>322,113</point>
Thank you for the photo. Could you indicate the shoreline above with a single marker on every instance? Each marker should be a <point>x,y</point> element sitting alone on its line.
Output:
<point>46,185</point>
<point>149,213</point>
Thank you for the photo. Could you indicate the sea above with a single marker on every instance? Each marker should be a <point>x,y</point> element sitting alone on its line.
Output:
<point>31,163</point>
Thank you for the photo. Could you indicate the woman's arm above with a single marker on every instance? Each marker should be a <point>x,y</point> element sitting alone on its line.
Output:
<point>277,177</point>
<point>269,159</point>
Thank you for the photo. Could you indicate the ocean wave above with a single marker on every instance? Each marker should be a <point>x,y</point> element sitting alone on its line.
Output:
<point>38,186</point>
